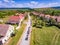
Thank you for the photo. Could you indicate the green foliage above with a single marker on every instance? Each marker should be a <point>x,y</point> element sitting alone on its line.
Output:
<point>5,13</point>
<point>45,36</point>
<point>49,11</point>
<point>37,22</point>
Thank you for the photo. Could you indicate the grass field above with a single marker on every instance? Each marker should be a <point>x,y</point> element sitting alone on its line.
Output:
<point>45,36</point>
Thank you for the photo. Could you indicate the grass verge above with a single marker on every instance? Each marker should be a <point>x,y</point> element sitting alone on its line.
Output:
<point>19,32</point>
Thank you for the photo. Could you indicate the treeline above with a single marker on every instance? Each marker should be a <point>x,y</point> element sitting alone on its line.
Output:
<point>4,13</point>
<point>50,11</point>
<point>39,22</point>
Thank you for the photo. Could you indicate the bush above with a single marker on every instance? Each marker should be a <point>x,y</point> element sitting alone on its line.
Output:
<point>13,34</point>
<point>58,25</point>
<point>38,26</point>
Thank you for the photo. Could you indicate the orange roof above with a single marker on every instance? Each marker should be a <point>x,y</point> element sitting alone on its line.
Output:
<point>15,19</point>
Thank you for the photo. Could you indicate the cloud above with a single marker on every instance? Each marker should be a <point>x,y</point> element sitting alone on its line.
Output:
<point>43,5</point>
<point>51,4</point>
<point>34,2</point>
<point>6,0</point>
<point>54,4</point>
<point>31,4</point>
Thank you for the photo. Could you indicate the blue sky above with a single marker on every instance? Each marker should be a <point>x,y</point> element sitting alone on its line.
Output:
<point>28,3</point>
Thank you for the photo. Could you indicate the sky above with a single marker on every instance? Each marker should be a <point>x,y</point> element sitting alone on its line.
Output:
<point>29,3</point>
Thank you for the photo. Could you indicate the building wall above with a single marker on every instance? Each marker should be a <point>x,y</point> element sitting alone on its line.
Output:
<point>8,34</point>
<point>19,23</point>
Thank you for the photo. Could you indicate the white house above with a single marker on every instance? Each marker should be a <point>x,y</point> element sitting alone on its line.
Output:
<point>16,20</point>
<point>5,32</point>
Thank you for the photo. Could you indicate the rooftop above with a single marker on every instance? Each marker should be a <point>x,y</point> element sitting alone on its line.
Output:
<point>15,19</point>
<point>3,29</point>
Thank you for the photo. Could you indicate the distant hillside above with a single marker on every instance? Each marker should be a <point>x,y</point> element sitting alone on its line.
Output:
<point>15,8</point>
<point>58,7</point>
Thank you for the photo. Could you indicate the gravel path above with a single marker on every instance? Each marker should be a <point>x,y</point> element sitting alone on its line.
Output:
<point>25,39</point>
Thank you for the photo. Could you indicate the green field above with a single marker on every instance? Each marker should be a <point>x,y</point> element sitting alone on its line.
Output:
<point>45,36</point>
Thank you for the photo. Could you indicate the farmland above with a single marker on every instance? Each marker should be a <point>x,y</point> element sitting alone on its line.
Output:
<point>45,36</point>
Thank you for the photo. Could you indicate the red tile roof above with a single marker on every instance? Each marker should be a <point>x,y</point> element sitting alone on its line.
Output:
<point>16,19</point>
<point>3,29</point>
<point>35,13</point>
<point>47,15</point>
<point>41,15</point>
<point>21,16</point>
<point>58,19</point>
<point>53,17</point>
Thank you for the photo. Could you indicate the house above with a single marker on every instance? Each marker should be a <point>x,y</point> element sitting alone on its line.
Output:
<point>21,17</point>
<point>5,32</point>
<point>54,17</point>
<point>41,15</point>
<point>47,17</point>
<point>58,19</point>
<point>35,13</point>
<point>15,19</point>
